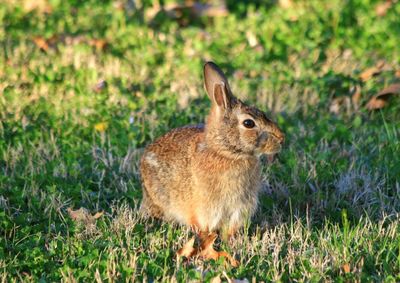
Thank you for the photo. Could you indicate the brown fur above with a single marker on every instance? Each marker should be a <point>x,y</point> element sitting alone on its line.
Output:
<point>209,176</point>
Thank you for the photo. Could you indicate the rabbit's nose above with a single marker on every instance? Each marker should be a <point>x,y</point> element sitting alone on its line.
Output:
<point>278,135</point>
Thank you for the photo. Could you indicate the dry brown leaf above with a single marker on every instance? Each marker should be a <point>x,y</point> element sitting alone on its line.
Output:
<point>397,74</point>
<point>387,91</point>
<point>372,71</point>
<point>41,43</point>
<point>46,43</point>
<point>187,250</point>
<point>346,268</point>
<point>380,100</point>
<point>98,214</point>
<point>382,8</point>
<point>355,98</point>
<point>82,215</point>
<point>99,44</point>
<point>369,73</point>
<point>375,103</point>
<point>207,250</point>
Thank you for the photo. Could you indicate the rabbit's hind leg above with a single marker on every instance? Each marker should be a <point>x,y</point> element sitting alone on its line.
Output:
<point>148,208</point>
<point>207,250</point>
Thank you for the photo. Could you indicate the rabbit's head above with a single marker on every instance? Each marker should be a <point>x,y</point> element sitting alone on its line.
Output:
<point>233,127</point>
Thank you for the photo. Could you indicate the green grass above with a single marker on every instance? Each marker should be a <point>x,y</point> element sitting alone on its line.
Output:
<point>330,208</point>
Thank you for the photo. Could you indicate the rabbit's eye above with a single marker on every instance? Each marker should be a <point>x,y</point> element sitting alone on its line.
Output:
<point>248,123</point>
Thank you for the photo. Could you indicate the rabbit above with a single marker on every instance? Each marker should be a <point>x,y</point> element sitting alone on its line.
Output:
<point>209,176</point>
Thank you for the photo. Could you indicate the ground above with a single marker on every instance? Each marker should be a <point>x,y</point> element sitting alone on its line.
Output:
<point>86,85</point>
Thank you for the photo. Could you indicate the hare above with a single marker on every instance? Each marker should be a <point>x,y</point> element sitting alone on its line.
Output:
<point>209,176</point>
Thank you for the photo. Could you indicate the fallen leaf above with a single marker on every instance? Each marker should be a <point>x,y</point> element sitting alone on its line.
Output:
<point>372,71</point>
<point>99,44</point>
<point>387,91</point>
<point>355,98</point>
<point>382,8</point>
<point>101,127</point>
<point>98,214</point>
<point>380,100</point>
<point>397,74</point>
<point>346,268</point>
<point>375,103</point>
<point>82,215</point>
<point>369,73</point>
<point>41,43</point>
<point>207,250</point>
<point>187,250</point>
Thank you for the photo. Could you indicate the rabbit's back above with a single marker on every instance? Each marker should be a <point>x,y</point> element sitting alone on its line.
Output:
<point>173,150</point>
<point>166,174</point>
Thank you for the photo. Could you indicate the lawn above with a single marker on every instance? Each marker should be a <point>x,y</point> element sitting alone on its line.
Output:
<point>86,85</point>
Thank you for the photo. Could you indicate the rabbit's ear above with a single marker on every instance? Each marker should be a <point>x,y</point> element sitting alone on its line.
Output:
<point>221,96</point>
<point>217,86</point>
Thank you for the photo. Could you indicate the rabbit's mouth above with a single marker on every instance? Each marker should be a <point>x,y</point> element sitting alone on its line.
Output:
<point>272,148</point>
<point>273,144</point>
